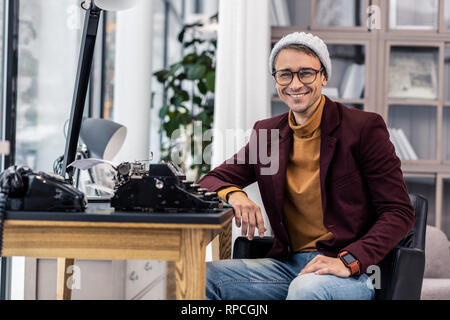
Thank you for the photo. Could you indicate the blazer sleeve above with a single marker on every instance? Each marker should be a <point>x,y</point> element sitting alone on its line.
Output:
<point>237,171</point>
<point>381,169</point>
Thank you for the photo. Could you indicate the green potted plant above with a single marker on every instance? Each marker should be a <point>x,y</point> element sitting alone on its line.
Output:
<point>189,86</point>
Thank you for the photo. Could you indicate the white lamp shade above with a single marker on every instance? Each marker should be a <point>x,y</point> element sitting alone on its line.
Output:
<point>115,5</point>
<point>103,138</point>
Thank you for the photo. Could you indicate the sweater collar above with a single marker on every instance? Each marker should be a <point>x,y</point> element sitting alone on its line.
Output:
<point>309,127</point>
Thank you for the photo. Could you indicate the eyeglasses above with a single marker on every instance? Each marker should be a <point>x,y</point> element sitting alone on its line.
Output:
<point>305,75</point>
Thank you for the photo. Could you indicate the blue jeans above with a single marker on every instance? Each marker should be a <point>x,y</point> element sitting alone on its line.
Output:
<point>271,279</point>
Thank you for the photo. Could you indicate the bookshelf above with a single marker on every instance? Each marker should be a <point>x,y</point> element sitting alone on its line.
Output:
<point>404,62</point>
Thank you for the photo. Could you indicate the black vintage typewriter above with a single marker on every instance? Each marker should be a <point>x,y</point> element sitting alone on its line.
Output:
<point>160,188</point>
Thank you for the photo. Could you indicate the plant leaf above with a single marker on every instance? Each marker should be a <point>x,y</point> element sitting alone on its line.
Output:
<point>202,87</point>
<point>196,71</point>
<point>162,75</point>
<point>211,81</point>
<point>163,111</point>
<point>197,100</point>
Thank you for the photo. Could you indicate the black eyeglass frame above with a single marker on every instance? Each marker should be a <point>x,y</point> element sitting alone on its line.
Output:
<point>298,75</point>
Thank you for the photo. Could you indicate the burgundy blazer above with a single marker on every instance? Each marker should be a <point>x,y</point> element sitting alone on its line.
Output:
<point>364,197</point>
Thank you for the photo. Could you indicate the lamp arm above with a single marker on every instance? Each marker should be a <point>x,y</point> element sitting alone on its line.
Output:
<point>89,36</point>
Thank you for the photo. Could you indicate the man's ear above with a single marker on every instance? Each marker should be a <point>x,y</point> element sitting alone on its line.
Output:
<point>324,80</point>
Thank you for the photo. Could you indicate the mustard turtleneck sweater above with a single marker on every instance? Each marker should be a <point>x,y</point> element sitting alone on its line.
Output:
<point>303,203</point>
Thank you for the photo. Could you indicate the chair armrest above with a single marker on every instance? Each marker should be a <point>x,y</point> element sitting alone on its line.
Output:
<point>251,249</point>
<point>402,274</point>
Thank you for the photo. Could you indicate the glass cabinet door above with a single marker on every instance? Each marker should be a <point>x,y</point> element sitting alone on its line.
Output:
<point>446,133</point>
<point>413,131</point>
<point>349,72</point>
<point>290,13</point>
<point>425,186</point>
<point>447,14</point>
<point>445,219</point>
<point>340,13</point>
<point>447,74</point>
<point>413,72</point>
<point>413,14</point>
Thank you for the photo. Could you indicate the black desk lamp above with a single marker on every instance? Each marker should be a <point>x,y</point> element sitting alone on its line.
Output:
<point>93,11</point>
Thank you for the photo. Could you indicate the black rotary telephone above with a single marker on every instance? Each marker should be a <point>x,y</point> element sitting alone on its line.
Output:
<point>39,191</point>
<point>25,190</point>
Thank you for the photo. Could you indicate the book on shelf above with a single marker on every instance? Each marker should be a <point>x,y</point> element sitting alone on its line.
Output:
<point>407,145</point>
<point>392,135</point>
<point>352,85</point>
<point>403,147</point>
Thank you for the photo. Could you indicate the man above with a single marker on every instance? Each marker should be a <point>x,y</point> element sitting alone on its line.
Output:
<point>337,203</point>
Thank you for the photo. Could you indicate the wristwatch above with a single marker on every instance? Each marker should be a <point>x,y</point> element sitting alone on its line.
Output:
<point>350,262</point>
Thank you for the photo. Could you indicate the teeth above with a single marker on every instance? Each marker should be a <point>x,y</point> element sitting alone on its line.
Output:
<point>298,95</point>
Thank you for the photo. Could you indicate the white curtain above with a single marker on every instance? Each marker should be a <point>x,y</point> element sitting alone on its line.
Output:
<point>133,75</point>
<point>242,78</point>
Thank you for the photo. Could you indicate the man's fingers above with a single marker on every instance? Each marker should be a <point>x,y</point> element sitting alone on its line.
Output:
<point>260,223</point>
<point>244,215</point>
<point>313,268</point>
<point>248,216</point>
<point>310,265</point>
<point>323,271</point>
<point>237,216</point>
<point>251,224</point>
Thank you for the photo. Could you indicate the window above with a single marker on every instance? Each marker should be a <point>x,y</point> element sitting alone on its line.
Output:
<point>2,112</point>
<point>49,46</point>
<point>45,62</point>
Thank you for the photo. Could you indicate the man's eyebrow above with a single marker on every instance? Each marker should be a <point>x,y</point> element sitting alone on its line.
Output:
<point>285,69</point>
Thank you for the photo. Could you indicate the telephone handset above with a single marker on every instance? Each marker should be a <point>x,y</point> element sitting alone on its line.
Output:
<point>38,191</point>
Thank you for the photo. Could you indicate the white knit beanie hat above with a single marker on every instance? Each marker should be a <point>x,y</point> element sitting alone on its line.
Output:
<point>308,40</point>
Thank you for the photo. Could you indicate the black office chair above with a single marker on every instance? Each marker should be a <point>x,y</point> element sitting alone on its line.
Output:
<point>401,270</point>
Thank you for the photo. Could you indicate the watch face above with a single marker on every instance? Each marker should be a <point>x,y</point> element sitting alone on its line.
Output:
<point>348,258</point>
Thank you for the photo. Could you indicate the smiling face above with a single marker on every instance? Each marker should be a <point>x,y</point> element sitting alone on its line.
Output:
<point>302,99</point>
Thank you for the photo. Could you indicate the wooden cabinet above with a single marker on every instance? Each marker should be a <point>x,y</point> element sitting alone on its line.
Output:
<point>398,51</point>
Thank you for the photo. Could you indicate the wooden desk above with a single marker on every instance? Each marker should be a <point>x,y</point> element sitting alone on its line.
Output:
<point>101,233</point>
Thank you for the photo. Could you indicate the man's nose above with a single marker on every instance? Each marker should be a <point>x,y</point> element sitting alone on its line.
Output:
<point>296,83</point>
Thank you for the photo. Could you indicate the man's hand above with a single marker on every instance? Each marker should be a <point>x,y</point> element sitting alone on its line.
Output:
<point>326,265</point>
<point>247,211</point>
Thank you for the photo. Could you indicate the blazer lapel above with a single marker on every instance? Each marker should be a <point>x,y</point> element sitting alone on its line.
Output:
<point>279,179</point>
<point>330,120</point>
